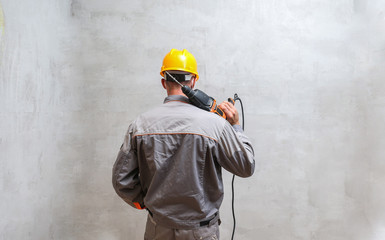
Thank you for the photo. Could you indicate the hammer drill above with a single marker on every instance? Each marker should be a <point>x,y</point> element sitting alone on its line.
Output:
<point>200,99</point>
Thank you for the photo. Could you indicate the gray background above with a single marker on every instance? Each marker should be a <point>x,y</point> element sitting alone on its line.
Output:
<point>310,74</point>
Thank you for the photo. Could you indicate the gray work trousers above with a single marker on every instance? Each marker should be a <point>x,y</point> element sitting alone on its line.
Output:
<point>157,232</point>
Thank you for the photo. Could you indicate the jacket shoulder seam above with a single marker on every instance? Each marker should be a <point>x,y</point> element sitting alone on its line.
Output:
<point>183,133</point>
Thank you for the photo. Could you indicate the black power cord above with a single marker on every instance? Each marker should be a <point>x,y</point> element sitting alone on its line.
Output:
<point>232,181</point>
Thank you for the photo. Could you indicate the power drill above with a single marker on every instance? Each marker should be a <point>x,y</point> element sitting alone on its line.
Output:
<point>200,99</point>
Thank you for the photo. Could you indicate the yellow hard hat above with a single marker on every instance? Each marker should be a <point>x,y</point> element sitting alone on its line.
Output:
<point>177,60</point>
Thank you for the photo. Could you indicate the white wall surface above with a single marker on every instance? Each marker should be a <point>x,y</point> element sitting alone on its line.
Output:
<point>310,74</point>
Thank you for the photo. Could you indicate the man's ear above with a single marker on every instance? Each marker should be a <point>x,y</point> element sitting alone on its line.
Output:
<point>164,83</point>
<point>193,81</point>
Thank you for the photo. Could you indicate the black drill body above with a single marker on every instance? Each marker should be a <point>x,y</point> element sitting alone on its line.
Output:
<point>198,98</point>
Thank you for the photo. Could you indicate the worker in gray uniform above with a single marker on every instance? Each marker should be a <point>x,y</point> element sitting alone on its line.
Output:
<point>172,156</point>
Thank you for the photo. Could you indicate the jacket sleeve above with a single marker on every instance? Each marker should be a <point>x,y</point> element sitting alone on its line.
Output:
<point>235,152</point>
<point>125,173</point>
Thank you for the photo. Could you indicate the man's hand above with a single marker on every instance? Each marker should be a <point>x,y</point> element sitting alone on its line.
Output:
<point>231,113</point>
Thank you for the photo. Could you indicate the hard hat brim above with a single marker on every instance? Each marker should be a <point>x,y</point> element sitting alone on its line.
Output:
<point>178,69</point>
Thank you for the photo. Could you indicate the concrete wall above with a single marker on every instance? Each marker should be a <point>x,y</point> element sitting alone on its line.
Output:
<point>310,74</point>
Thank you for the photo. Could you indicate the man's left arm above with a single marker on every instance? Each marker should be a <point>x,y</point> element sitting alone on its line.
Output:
<point>125,174</point>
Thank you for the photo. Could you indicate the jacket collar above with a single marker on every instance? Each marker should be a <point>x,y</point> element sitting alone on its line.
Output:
<point>179,98</point>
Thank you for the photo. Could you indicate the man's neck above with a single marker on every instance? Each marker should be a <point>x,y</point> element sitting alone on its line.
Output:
<point>175,92</point>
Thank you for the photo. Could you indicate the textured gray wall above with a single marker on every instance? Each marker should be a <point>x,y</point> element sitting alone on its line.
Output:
<point>310,73</point>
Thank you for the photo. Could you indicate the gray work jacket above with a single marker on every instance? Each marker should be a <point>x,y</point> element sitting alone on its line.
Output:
<point>171,161</point>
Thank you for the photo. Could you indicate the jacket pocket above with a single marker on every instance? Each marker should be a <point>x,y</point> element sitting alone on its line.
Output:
<point>207,232</point>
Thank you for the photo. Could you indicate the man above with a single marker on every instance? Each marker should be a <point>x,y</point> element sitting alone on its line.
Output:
<point>171,159</point>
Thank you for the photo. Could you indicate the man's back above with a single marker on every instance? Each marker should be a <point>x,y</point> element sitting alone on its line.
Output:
<point>180,150</point>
